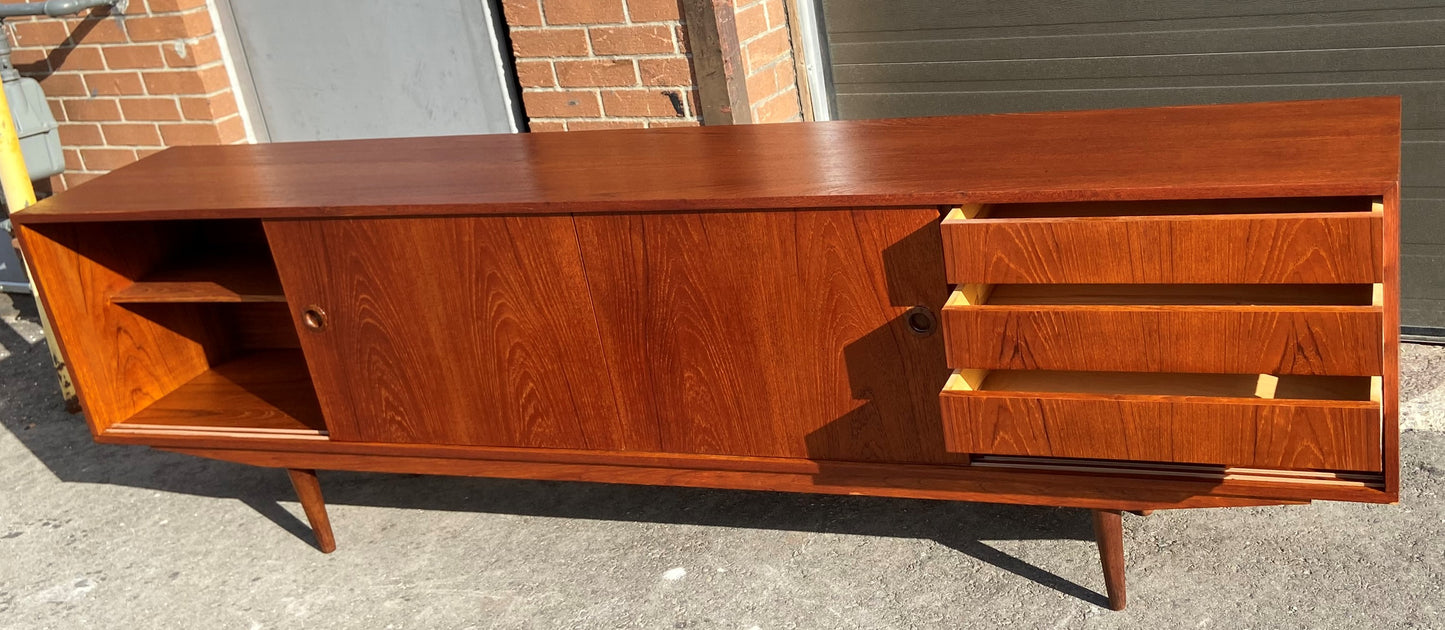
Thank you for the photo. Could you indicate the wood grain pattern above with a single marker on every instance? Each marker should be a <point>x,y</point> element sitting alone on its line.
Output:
<point>773,333</point>
<point>264,392</point>
<point>1339,435</point>
<point>1314,248</point>
<point>121,361</point>
<point>1339,147</point>
<point>1339,340</point>
<point>451,331</point>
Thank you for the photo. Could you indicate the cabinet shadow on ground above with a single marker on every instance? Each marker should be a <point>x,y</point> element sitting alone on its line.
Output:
<point>35,414</point>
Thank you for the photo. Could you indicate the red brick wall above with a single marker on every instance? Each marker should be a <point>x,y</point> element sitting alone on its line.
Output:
<point>601,64</point>
<point>768,55</point>
<point>125,88</point>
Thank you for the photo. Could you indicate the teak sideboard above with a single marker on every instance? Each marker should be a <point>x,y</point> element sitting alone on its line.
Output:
<point>1121,310</point>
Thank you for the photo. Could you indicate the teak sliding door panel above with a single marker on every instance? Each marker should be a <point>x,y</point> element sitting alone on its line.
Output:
<point>774,333</point>
<point>451,331</point>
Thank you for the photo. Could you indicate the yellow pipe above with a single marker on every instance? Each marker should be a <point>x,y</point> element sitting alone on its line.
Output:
<point>19,194</point>
<point>14,177</point>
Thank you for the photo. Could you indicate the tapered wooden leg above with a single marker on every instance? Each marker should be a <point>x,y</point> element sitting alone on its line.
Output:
<point>1142,512</point>
<point>308,489</point>
<point>1109,532</point>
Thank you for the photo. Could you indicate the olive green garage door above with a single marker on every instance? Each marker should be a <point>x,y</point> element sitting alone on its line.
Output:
<point>929,57</point>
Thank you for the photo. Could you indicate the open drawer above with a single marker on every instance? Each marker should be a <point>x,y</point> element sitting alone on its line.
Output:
<point>1237,329</point>
<point>1315,240</point>
<point>1290,422</point>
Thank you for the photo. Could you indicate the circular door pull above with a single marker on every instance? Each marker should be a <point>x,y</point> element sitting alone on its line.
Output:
<point>921,321</point>
<point>313,318</point>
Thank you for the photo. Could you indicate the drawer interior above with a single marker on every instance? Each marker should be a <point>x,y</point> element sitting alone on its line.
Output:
<point>1261,386</point>
<point>1270,205</point>
<point>1175,294</point>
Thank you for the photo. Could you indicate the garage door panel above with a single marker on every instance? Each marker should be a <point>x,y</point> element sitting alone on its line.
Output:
<point>1423,312</point>
<point>1395,28</point>
<point>1421,220</point>
<point>1421,164</point>
<point>929,58</point>
<point>1424,63</point>
<point>993,79</point>
<point>863,15</point>
<point>883,104</point>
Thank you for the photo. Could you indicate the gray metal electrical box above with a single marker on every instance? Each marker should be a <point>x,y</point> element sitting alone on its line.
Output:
<point>39,140</point>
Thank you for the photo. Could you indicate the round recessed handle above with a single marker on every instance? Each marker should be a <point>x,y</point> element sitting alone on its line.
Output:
<point>313,318</point>
<point>921,321</point>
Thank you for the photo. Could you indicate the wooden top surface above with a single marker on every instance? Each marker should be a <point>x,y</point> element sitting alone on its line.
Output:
<point>1349,146</point>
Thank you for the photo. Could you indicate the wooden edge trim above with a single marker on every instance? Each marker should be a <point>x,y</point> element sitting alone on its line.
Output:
<point>881,199</point>
<point>1377,389</point>
<point>1377,295</point>
<point>958,483</point>
<point>717,62</point>
<point>210,432</point>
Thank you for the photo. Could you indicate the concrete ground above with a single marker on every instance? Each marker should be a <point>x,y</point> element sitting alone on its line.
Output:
<point>98,536</point>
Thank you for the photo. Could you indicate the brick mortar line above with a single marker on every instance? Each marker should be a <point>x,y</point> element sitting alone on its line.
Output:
<point>607,118</point>
<point>750,40</point>
<point>605,57</point>
<point>163,69</point>
<point>590,25</point>
<point>771,64</point>
<point>773,96</point>
<point>595,88</point>
<point>783,58</point>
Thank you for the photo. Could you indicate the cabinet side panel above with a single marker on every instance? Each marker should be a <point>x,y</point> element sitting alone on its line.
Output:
<point>120,360</point>
<point>778,334</point>
<point>472,330</point>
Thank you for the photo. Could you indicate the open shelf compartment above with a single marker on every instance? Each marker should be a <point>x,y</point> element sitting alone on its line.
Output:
<point>263,393</point>
<point>177,328</point>
<point>205,261</point>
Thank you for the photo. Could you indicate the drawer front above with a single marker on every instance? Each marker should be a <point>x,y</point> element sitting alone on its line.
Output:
<point>1312,248</point>
<point>1269,434</point>
<point>1340,340</point>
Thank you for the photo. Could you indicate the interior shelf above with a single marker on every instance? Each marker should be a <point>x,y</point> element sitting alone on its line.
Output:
<point>261,393</point>
<point>225,277</point>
